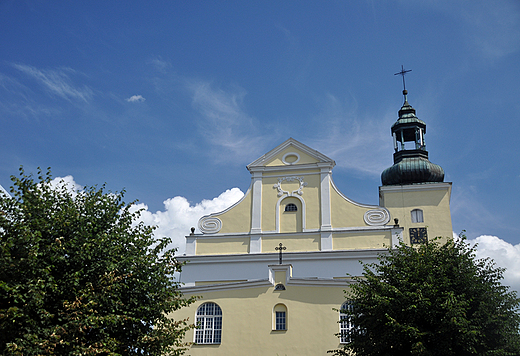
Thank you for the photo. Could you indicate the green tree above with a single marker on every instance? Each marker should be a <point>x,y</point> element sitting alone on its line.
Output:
<point>435,299</point>
<point>79,275</point>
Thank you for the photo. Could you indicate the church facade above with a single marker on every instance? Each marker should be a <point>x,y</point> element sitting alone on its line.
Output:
<point>271,270</point>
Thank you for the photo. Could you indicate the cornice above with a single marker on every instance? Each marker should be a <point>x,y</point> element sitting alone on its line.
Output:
<point>269,257</point>
<point>415,187</point>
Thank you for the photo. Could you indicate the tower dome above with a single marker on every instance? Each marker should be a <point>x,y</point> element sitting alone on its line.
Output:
<point>411,164</point>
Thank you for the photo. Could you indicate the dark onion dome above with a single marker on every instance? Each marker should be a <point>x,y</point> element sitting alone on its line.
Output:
<point>411,166</point>
<point>414,169</point>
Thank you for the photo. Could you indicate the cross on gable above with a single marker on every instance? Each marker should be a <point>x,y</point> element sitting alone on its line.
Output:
<point>280,248</point>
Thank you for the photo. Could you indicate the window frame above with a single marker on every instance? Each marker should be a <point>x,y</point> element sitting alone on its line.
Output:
<point>345,323</point>
<point>293,207</point>
<point>280,321</point>
<point>208,321</point>
<point>417,216</point>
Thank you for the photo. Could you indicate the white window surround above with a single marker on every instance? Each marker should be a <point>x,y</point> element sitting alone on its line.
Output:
<point>277,214</point>
<point>417,216</point>
<point>279,317</point>
<point>208,319</point>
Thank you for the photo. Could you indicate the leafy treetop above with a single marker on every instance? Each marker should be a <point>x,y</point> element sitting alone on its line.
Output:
<point>435,299</point>
<point>80,276</point>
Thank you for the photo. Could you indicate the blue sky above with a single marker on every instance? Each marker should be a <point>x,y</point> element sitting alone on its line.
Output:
<point>171,99</point>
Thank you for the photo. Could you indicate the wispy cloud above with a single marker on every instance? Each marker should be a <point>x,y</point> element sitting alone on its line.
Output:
<point>57,82</point>
<point>491,27</point>
<point>359,144</point>
<point>135,99</point>
<point>223,121</point>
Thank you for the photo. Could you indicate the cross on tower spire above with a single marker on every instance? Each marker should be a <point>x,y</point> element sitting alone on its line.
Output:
<point>280,248</point>
<point>402,73</point>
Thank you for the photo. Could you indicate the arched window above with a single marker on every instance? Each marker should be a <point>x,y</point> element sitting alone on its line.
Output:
<point>345,322</point>
<point>280,317</point>
<point>417,216</point>
<point>291,207</point>
<point>209,324</point>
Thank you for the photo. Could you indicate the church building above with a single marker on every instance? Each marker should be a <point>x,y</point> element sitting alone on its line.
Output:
<point>271,270</point>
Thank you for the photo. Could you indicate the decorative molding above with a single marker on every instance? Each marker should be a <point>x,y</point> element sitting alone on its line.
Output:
<point>289,257</point>
<point>226,286</point>
<point>204,218</point>
<point>298,191</point>
<point>415,187</point>
<point>210,225</point>
<point>376,217</point>
<point>288,155</point>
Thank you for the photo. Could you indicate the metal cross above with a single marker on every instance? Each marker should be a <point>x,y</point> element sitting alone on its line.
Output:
<point>280,248</point>
<point>403,72</point>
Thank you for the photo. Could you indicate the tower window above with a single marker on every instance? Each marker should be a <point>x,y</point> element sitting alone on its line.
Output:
<point>209,324</point>
<point>280,317</point>
<point>291,207</point>
<point>417,216</point>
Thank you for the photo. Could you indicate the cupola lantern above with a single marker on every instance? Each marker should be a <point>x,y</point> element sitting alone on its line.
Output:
<point>411,164</point>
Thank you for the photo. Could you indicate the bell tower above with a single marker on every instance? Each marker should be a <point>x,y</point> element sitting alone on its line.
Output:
<point>411,164</point>
<point>413,188</point>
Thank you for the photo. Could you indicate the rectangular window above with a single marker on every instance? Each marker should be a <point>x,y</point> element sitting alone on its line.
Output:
<point>280,320</point>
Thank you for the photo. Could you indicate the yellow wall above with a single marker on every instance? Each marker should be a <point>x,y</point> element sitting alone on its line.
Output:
<point>238,218</point>
<point>434,203</point>
<point>277,160</point>
<point>361,240</point>
<point>344,213</point>
<point>247,321</point>
<point>220,246</point>
<point>293,242</point>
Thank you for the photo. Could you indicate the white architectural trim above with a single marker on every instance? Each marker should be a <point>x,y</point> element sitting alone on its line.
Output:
<point>326,241</point>
<point>269,257</point>
<point>319,282</point>
<point>415,187</point>
<point>191,245</point>
<point>325,179</point>
<point>288,143</point>
<point>284,234</point>
<point>296,167</point>
<point>279,268</point>
<point>226,286</point>
<point>397,236</point>
<point>255,244</point>
<point>277,212</point>
<point>290,154</point>
<point>256,204</point>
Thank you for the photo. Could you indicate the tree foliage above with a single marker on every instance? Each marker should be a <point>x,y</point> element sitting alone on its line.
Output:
<point>79,276</point>
<point>435,299</point>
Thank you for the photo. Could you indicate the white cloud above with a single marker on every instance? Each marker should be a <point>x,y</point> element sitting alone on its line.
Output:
<point>135,99</point>
<point>504,254</point>
<point>66,182</point>
<point>57,81</point>
<point>179,216</point>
